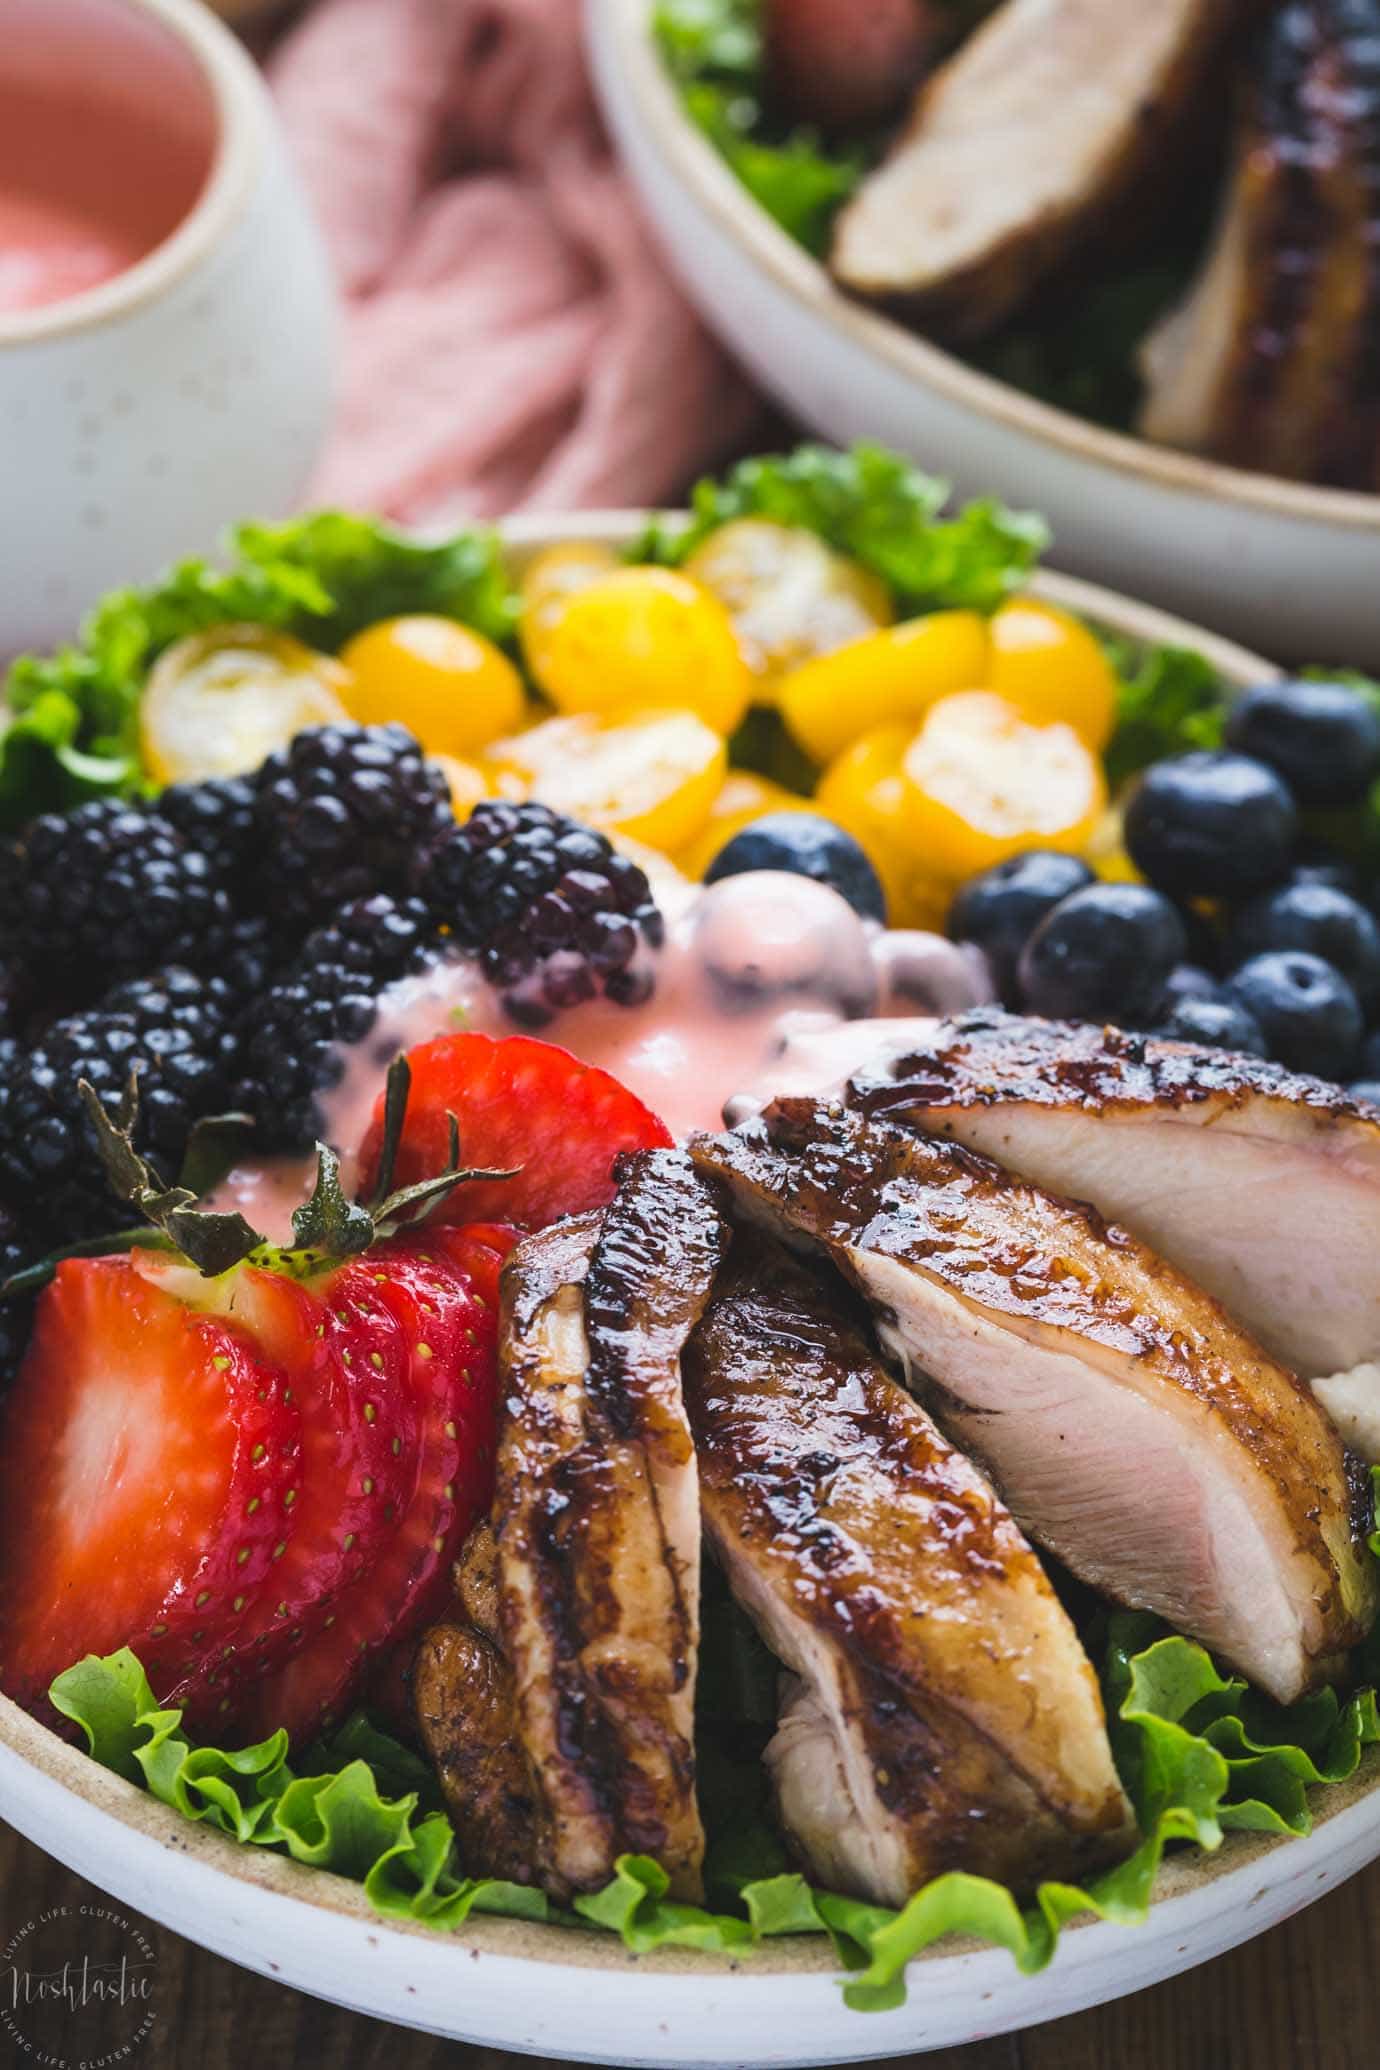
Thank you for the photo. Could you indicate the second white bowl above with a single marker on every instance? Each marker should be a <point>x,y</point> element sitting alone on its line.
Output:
<point>1290,568</point>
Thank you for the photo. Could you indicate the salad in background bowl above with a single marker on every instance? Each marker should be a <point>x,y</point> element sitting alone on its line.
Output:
<point>600,829</point>
<point>1018,372</point>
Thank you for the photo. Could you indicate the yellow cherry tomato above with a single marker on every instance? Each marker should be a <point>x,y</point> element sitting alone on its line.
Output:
<point>635,639</point>
<point>221,700</point>
<point>451,687</point>
<point>652,775</point>
<point>743,798</point>
<point>1047,663</point>
<point>467,781</point>
<point>558,570</point>
<point>788,595</point>
<point>863,790</point>
<point>982,783</point>
<point>888,677</point>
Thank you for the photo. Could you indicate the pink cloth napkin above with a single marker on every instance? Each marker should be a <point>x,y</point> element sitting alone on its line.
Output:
<point>513,340</point>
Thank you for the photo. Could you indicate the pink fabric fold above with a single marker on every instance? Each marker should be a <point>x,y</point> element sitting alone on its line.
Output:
<point>514,340</point>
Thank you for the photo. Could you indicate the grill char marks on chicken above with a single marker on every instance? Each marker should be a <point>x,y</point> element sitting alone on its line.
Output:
<point>467,1711</point>
<point>1273,360</point>
<point>598,1524</point>
<point>942,1715</point>
<point>1055,122</point>
<point>1262,1185</point>
<point>1132,1427</point>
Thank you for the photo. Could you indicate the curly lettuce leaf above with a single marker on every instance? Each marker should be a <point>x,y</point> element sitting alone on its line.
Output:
<point>1171,700</point>
<point>880,510</point>
<point>73,716</point>
<point>1200,1754</point>
<point>713,50</point>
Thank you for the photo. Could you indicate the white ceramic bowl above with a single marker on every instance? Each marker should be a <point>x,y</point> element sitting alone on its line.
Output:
<point>1290,568</point>
<point>577,1996</point>
<point>139,418</point>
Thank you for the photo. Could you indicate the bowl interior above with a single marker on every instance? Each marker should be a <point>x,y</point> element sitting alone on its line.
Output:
<point>103,1796</point>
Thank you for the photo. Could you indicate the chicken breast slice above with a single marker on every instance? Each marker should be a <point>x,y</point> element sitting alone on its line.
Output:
<point>1027,143</point>
<point>1263,1185</point>
<point>1270,361</point>
<point>466,1708</point>
<point>1132,1427</point>
<point>940,1712</point>
<point>597,1520</point>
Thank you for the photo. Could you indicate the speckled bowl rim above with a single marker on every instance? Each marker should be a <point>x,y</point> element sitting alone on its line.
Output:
<point>1182,1875</point>
<point>690,156</point>
<point>241,115</point>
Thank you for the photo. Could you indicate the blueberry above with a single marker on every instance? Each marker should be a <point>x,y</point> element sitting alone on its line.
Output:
<point>1367,1089</point>
<point>1215,1024</point>
<point>1000,910</point>
<point>807,846</point>
<point>1211,825</point>
<point>1188,981</point>
<point>1319,919</point>
<point>1308,1013</point>
<point>1323,738</point>
<point>1316,863</point>
<point>1369,1066</point>
<point>1104,953</point>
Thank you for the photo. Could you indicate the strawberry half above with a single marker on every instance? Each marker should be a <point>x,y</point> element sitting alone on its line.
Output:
<point>451,1327</point>
<point>348,1364</point>
<point>520,1104</point>
<point>146,1471</point>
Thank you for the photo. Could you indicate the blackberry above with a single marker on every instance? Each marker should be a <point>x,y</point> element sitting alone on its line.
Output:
<point>337,816</point>
<point>218,818</point>
<point>105,892</point>
<point>174,1028</point>
<point>292,1038</point>
<point>292,1053</point>
<point>554,913</point>
<point>381,938</point>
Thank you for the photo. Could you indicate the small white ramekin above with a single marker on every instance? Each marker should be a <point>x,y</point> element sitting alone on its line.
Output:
<point>139,418</point>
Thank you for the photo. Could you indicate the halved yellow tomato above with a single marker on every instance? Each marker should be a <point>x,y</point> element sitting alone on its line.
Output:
<point>653,775</point>
<point>888,678</point>
<point>450,686</point>
<point>1048,664</point>
<point>635,639</point>
<point>863,790</point>
<point>221,700</point>
<point>982,783</point>
<point>789,596</point>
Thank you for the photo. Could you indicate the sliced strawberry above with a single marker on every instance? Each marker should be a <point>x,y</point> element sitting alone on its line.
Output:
<point>453,1378</point>
<point>349,1371</point>
<point>146,1469</point>
<point>518,1103</point>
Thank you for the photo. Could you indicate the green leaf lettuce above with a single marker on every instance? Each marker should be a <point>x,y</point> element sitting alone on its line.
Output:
<point>1200,1753</point>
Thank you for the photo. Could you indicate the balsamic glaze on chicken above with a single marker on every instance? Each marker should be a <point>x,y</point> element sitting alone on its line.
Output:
<point>940,1712</point>
<point>597,1522</point>
<point>1134,1429</point>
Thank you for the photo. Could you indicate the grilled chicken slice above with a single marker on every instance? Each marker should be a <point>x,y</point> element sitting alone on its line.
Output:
<point>598,1524</point>
<point>467,1711</point>
<point>1262,1185</point>
<point>1132,1427</point>
<point>1272,361</point>
<point>1033,140</point>
<point>941,1714</point>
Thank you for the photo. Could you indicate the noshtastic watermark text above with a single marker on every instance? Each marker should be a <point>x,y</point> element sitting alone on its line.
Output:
<point>77,1987</point>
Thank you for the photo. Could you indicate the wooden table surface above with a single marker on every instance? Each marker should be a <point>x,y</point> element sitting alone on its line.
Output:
<point>1305,1997</point>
